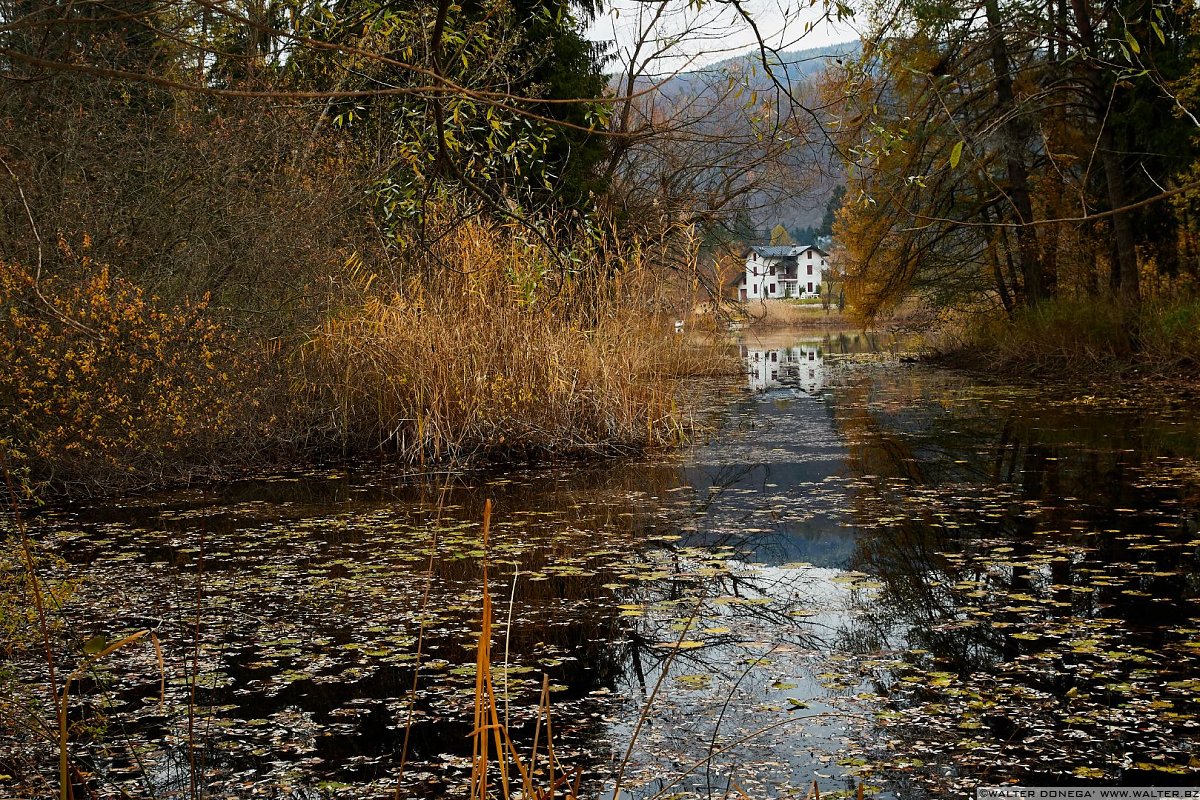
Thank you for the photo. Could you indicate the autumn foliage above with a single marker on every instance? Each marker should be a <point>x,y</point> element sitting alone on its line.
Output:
<point>104,383</point>
<point>497,355</point>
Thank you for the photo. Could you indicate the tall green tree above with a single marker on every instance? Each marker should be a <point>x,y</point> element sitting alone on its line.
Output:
<point>489,127</point>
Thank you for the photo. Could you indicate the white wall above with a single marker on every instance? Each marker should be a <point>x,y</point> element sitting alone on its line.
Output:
<point>759,280</point>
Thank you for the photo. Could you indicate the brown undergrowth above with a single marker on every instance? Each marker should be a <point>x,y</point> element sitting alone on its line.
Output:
<point>487,356</point>
<point>494,346</point>
<point>1083,339</point>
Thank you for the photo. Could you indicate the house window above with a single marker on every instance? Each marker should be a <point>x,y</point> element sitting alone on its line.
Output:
<point>772,269</point>
<point>754,289</point>
<point>772,288</point>
<point>774,374</point>
<point>774,356</point>
<point>810,286</point>
<point>810,269</point>
<point>810,255</point>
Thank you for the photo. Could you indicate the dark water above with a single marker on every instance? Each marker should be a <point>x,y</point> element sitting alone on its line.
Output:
<point>872,571</point>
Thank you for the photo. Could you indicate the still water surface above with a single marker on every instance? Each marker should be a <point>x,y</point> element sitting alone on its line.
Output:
<point>872,571</point>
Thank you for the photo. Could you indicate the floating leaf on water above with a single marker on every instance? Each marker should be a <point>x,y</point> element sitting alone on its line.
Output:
<point>698,680</point>
<point>686,644</point>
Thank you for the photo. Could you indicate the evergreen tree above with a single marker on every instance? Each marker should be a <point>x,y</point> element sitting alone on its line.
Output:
<point>831,208</point>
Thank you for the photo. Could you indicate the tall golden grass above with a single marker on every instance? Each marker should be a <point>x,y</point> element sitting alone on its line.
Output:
<point>490,737</point>
<point>766,314</point>
<point>496,352</point>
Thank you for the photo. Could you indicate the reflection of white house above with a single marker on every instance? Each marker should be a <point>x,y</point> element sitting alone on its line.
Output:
<point>783,271</point>
<point>799,367</point>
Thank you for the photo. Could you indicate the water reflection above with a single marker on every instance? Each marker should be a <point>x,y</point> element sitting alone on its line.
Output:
<point>781,361</point>
<point>1037,556</point>
<point>890,573</point>
<point>800,368</point>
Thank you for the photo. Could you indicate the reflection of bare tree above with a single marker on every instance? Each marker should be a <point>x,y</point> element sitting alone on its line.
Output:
<point>312,606</point>
<point>1009,538</point>
<point>722,656</point>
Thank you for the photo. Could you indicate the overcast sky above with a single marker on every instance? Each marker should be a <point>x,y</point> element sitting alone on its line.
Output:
<point>691,37</point>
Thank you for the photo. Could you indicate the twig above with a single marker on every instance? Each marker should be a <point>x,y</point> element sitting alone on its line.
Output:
<point>37,276</point>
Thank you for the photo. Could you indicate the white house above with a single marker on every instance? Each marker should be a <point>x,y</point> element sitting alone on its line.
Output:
<point>782,271</point>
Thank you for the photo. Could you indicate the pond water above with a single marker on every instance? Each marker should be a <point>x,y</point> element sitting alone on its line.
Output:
<point>872,572</point>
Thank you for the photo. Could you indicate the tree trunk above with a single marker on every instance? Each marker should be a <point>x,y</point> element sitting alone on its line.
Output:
<point>1125,268</point>
<point>1013,278</point>
<point>993,257</point>
<point>1014,136</point>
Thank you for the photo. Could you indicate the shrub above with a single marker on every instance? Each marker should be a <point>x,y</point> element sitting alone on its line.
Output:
<point>1083,337</point>
<point>106,386</point>
<point>1172,333</point>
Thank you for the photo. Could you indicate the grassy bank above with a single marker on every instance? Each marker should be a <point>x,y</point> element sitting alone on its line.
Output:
<point>770,314</point>
<point>488,351</point>
<point>1082,339</point>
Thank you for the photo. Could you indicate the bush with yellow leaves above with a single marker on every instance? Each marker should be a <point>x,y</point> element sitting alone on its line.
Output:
<point>107,387</point>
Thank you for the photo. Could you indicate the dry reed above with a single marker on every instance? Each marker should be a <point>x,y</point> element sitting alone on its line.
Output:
<point>762,314</point>
<point>493,356</point>
<point>490,732</point>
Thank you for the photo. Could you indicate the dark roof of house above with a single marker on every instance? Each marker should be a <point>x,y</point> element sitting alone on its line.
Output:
<point>784,250</point>
<point>776,250</point>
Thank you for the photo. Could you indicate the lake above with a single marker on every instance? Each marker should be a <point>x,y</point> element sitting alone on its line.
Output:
<point>870,572</point>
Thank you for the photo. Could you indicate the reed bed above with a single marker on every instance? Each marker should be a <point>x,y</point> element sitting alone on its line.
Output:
<point>489,356</point>
<point>489,342</point>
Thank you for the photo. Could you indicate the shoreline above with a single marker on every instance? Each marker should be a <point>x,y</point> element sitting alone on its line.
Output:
<point>788,314</point>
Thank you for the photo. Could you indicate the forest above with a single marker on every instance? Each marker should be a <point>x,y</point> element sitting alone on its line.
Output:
<point>1037,157</point>
<point>271,232</point>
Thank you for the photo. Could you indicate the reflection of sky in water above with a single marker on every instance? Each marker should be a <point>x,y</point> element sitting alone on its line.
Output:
<point>776,477</point>
<point>763,697</point>
<point>770,684</point>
